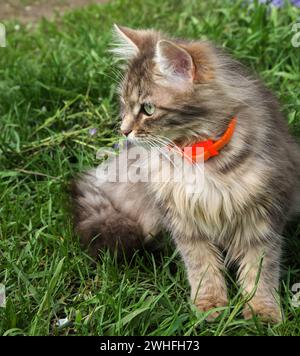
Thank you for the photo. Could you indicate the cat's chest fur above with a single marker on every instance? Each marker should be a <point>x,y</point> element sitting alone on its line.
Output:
<point>211,210</point>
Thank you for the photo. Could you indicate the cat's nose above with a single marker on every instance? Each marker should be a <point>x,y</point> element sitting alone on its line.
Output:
<point>126,132</point>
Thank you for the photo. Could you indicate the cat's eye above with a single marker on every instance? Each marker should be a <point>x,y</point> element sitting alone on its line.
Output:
<point>148,108</point>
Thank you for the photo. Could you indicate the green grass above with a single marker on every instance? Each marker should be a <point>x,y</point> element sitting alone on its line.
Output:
<point>56,82</point>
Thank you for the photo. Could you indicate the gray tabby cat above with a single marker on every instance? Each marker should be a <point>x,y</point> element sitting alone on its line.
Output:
<point>184,92</point>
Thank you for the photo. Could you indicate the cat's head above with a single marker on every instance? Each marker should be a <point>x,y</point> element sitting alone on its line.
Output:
<point>169,89</point>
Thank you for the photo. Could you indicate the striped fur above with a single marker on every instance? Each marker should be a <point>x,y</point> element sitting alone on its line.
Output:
<point>250,189</point>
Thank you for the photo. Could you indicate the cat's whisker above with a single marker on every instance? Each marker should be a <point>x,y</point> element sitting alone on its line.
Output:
<point>178,150</point>
<point>162,151</point>
<point>165,150</point>
<point>167,143</point>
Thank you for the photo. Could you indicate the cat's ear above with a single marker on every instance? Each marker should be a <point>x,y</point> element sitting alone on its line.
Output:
<point>126,42</point>
<point>174,62</point>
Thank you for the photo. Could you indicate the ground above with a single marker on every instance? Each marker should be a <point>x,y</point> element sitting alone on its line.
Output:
<point>58,81</point>
<point>31,11</point>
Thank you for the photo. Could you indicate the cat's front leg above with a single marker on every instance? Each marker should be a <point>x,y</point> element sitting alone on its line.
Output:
<point>259,272</point>
<point>204,267</point>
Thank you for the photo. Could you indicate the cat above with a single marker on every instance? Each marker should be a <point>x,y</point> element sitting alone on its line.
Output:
<point>187,92</point>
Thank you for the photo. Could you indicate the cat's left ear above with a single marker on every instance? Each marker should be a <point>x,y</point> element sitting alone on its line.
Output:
<point>127,42</point>
<point>174,62</point>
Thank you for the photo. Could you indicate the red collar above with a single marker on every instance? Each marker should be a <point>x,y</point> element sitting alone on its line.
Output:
<point>211,147</point>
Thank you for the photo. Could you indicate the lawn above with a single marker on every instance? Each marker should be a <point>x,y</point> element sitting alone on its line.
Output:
<point>57,81</point>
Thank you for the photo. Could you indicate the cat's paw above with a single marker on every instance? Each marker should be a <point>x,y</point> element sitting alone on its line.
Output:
<point>267,311</point>
<point>211,302</point>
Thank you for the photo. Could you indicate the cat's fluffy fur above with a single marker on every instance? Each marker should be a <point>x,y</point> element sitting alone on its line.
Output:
<point>250,189</point>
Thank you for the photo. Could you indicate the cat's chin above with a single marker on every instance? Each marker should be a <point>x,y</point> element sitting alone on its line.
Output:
<point>137,140</point>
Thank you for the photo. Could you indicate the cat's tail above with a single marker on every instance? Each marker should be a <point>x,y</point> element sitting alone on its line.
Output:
<point>99,224</point>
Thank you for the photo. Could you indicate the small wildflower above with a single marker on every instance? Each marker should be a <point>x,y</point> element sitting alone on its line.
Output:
<point>17,27</point>
<point>277,3</point>
<point>296,3</point>
<point>93,131</point>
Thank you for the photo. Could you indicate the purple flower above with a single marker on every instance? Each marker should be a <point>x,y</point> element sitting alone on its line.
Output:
<point>279,3</point>
<point>121,145</point>
<point>92,131</point>
<point>276,3</point>
<point>296,3</point>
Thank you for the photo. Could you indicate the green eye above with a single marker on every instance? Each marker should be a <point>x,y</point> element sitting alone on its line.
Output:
<point>148,108</point>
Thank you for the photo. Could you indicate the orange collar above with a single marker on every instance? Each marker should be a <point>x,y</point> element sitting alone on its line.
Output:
<point>211,148</point>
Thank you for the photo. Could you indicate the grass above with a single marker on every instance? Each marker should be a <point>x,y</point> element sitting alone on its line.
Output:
<point>56,82</point>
